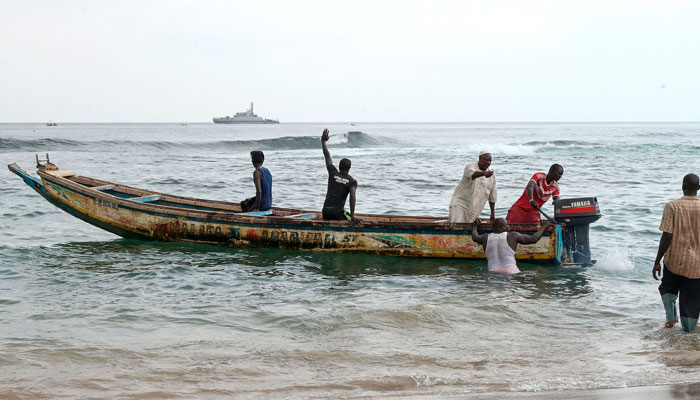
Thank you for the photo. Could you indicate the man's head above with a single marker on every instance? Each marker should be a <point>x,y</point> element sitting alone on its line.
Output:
<point>691,185</point>
<point>484,160</point>
<point>257,157</point>
<point>344,165</point>
<point>500,225</point>
<point>555,173</point>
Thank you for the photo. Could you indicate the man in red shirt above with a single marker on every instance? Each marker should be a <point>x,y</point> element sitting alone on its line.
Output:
<point>540,188</point>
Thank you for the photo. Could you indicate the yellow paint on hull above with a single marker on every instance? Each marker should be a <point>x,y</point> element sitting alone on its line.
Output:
<point>166,224</point>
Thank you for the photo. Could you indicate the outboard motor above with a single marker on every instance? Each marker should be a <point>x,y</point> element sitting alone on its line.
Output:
<point>575,215</point>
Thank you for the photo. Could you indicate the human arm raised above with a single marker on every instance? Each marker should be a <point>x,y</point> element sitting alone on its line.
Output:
<point>326,153</point>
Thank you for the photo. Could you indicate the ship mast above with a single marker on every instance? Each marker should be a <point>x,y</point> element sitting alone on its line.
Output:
<point>251,106</point>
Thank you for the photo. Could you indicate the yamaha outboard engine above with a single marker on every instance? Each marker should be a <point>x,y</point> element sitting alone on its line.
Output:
<point>575,215</point>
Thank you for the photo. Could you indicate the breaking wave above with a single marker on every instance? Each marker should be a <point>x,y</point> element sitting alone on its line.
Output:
<point>560,143</point>
<point>606,148</point>
<point>353,139</point>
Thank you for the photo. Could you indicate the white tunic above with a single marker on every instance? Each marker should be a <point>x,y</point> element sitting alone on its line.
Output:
<point>471,195</point>
<point>500,255</point>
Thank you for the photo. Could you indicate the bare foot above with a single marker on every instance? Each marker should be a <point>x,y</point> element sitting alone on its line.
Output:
<point>669,324</point>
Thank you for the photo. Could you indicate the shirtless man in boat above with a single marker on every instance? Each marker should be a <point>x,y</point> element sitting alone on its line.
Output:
<point>538,190</point>
<point>500,246</point>
<point>340,184</point>
<point>263,185</point>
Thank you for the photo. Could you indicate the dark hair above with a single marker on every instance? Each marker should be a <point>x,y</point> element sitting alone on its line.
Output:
<point>345,165</point>
<point>500,223</point>
<point>691,180</point>
<point>554,166</point>
<point>257,156</point>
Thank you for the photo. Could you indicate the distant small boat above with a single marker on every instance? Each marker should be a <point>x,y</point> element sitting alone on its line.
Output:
<point>51,123</point>
<point>245,117</point>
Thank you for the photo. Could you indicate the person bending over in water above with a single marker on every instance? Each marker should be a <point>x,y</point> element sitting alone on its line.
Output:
<point>263,185</point>
<point>500,245</point>
<point>340,184</point>
<point>680,248</point>
<point>540,188</point>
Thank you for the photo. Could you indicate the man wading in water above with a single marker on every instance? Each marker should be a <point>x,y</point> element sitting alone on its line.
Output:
<point>680,248</point>
<point>340,184</point>
<point>500,245</point>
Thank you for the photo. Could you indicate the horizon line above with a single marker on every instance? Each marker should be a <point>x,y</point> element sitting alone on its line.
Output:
<point>357,122</point>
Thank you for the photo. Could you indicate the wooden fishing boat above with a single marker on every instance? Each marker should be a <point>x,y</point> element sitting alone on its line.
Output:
<point>142,214</point>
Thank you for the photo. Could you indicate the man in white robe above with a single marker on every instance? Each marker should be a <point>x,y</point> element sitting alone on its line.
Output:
<point>478,185</point>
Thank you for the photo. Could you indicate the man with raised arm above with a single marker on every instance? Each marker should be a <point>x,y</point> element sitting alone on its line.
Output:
<point>540,188</point>
<point>500,246</point>
<point>477,186</point>
<point>680,248</point>
<point>340,184</point>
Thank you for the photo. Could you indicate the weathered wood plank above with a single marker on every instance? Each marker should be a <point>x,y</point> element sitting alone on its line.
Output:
<point>145,199</point>
<point>258,213</point>
<point>104,187</point>
<point>302,215</point>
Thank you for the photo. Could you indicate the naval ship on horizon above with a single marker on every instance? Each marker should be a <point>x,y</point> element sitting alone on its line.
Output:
<point>245,117</point>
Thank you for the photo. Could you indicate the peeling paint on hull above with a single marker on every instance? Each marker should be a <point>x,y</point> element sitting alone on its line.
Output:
<point>145,221</point>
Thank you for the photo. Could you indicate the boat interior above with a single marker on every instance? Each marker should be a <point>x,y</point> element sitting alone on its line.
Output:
<point>142,196</point>
<point>161,199</point>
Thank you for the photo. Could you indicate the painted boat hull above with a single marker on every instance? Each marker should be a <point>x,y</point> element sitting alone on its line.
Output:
<point>132,213</point>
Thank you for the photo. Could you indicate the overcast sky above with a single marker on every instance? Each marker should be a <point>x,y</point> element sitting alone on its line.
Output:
<point>172,61</point>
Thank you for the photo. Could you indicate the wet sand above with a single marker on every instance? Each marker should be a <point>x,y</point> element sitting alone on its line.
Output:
<point>681,391</point>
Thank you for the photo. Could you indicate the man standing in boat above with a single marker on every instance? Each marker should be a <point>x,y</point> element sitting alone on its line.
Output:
<point>340,184</point>
<point>540,188</point>
<point>263,185</point>
<point>680,248</point>
<point>500,246</point>
<point>478,185</point>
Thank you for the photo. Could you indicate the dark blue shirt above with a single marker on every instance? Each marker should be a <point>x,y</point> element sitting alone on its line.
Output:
<point>265,189</point>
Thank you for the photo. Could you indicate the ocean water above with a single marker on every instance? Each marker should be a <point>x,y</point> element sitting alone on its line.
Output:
<point>86,314</point>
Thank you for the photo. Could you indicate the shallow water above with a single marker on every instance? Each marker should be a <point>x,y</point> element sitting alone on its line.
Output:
<point>84,313</point>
